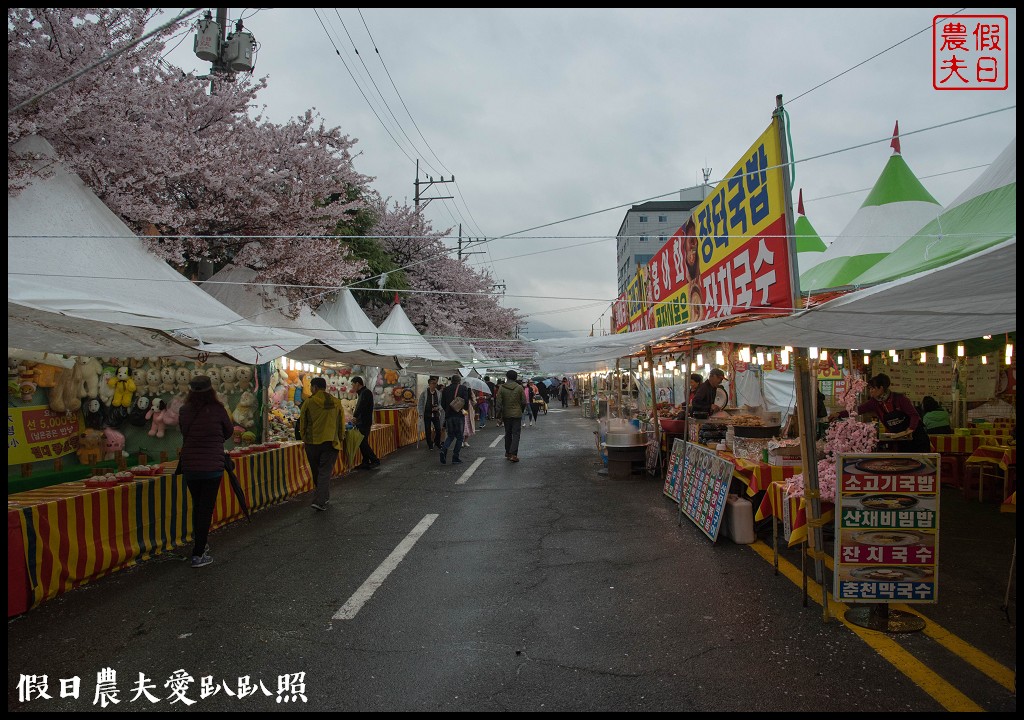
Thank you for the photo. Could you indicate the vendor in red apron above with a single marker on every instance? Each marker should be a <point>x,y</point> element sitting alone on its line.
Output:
<point>897,415</point>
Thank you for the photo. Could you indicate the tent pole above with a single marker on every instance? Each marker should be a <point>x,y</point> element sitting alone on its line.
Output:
<point>806,399</point>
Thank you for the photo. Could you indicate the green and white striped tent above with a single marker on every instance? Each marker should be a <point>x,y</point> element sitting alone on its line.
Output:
<point>896,208</point>
<point>809,245</point>
<point>984,215</point>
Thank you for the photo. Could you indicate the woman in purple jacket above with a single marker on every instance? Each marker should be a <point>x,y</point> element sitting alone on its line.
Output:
<point>897,415</point>
<point>205,426</point>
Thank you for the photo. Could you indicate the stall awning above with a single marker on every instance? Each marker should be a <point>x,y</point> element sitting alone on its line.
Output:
<point>969,298</point>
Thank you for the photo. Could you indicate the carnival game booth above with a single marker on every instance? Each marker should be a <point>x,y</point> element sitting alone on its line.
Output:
<point>92,465</point>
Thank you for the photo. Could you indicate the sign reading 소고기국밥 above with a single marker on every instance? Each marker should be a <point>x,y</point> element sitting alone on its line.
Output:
<point>887,528</point>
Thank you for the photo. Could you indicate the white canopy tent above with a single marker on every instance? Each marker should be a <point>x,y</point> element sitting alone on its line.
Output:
<point>968,298</point>
<point>80,282</point>
<point>399,336</point>
<point>265,306</point>
<point>588,354</point>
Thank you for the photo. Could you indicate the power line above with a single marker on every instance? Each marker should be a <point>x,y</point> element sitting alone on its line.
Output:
<point>106,58</point>
<point>864,62</point>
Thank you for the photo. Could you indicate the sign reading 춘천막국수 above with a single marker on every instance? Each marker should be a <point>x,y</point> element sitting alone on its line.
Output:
<point>887,528</point>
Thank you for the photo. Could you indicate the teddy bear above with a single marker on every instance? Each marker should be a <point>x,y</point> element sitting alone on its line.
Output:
<point>245,411</point>
<point>243,378</point>
<point>113,443</point>
<point>182,376</point>
<point>214,374</point>
<point>90,444</point>
<point>124,387</point>
<point>65,396</point>
<point>28,389</point>
<point>227,380</point>
<point>152,381</point>
<point>92,368</point>
<point>167,379</point>
<point>108,379</point>
<point>156,412</point>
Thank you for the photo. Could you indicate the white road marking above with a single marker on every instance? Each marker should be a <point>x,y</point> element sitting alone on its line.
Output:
<point>359,598</point>
<point>469,471</point>
<point>497,440</point>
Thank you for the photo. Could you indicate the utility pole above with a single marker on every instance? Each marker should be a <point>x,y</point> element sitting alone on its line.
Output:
<point>427,183</point>
<point>468,241</point>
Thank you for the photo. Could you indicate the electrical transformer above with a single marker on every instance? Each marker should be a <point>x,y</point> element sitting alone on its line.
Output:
<point>206,44</point>
<point>238,51</point>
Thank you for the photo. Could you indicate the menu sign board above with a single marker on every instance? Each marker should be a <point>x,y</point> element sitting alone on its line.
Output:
<point>704,487</point>
<point>674,471</point>
<point>887,528</point>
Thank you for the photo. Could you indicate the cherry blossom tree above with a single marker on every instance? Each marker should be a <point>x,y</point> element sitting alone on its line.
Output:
<point>450,298</point>
<point>194,170</point>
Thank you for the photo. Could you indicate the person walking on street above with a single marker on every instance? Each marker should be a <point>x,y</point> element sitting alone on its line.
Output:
<point>483,403</point>
<point>492,406</point>
<point>563,392</point>
<point>510,409</point>
<point>363,419</point>
<point>469,426</point>
<point>205,427</point>
<point>455,401</point>
<point>321,427</point>
<point>431,413</point>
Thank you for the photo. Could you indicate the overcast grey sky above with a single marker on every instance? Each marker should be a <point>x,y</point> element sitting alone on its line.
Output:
<point>544,115</point>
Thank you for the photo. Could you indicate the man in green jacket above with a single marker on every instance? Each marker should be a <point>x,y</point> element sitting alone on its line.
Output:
<point>321,427</point>
<point>510,410</point>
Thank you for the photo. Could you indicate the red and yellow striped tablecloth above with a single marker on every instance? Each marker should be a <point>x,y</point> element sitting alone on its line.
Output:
<point>959,444</point>
<point>773,502</point>
<point>73,534</point>
<point>405,422</point>
<point>1001,455</point>
<point>1003,430</point>
<point>758,476</point>
<point>382,442</point>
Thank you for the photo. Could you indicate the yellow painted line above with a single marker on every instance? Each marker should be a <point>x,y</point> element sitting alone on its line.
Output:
<point>921,675</point>
<point>958,646</point>
<point>970,654</point>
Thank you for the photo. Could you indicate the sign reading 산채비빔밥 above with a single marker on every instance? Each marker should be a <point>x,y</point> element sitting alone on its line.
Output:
<point>887,528</point>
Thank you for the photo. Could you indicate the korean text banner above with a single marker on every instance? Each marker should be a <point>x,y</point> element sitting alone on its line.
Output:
<point>741,234</point>
<point>37,433</point>
<point>620,315</point>
<point>636,297</point>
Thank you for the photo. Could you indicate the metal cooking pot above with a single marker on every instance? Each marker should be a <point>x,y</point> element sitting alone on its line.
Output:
<point>625,438</point>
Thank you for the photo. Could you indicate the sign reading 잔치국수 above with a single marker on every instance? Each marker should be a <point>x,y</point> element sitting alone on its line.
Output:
<point>887,528</point>
<point>38,433</point>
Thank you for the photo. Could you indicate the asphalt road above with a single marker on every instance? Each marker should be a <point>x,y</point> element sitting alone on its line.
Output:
<point>541,585</point>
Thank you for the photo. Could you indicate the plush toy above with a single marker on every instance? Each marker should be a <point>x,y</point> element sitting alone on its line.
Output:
<point>124,387</point>
<point>92,413</point>
<point>108,379</point>
<point>245,411</point>
<point>214,375</point>
<point>166,379</point>
<point>91,371</point>
<point>136,363</point>
<point>90,444</point>
<point>28,389</point>
<point>115,416</point>
<point>196,371</point>
<point>65,396</point>
<point>243,377</point>
<point>157,410</point>
<point>152,381</point>
<point>173,408</point>
<point>237,436</point>
<point>248,437</point>
<point>182,376</point>
<point>227,380</point>
<point>137,415</point>
<point>113,443</point>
